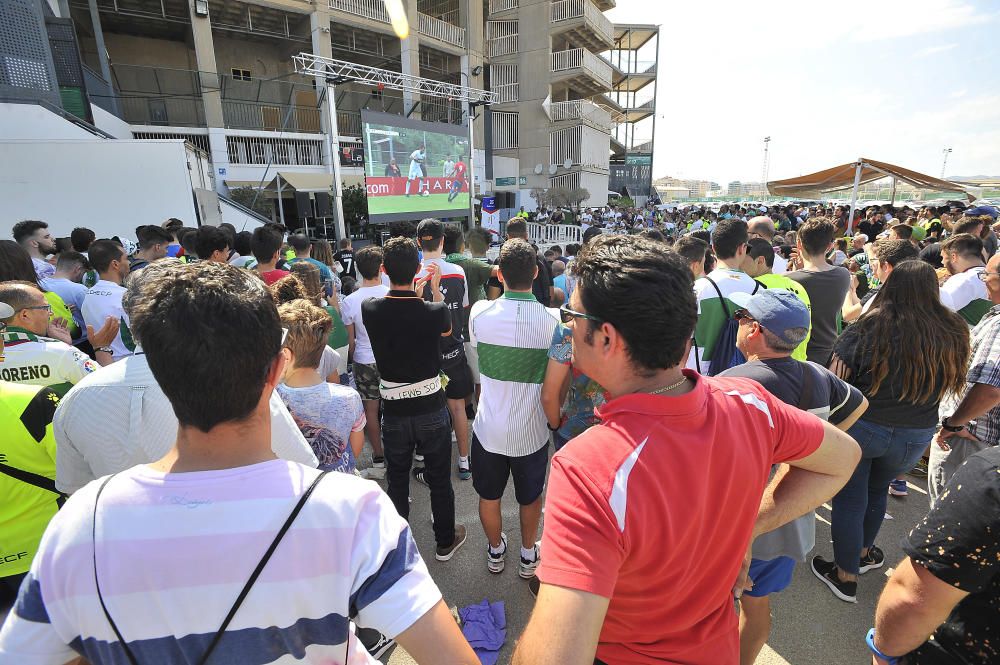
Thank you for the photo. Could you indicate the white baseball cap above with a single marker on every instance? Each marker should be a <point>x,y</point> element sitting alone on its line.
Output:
<point>6,311</point>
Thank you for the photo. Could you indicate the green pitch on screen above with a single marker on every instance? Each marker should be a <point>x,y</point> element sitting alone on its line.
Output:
<point>378,205</point>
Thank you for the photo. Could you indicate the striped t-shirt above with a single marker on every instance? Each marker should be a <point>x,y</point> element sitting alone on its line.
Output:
<point>174,551</point>
<point>512,335</point>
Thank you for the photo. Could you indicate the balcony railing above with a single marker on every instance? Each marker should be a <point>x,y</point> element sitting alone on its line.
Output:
<point>581,109</point>
<point>580,145</point>
<point>173,97</point>
<point>370,9</point>
<point>579,58</point>
<point>645,106</point>
<point>503,45</point>
<point>508,92</point>
<point>497,6</point>
<point>262,150</point>
<point>270,117</point>
<point>349,123</point>
<point>438,29</point>
<point>566,10</point>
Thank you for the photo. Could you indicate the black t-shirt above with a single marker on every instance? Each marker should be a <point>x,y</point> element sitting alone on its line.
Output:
<point>958,542</point>
<point>345,257</point>
<point>872,229</point>
<point>405,334</point>
<point>932,254</point>
<point>855,348</point>
<point>830,398</point>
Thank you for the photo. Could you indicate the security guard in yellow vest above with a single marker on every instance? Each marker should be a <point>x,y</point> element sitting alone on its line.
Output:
<point>28,495</point>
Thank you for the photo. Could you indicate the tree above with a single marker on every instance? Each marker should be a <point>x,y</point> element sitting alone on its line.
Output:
<point>355,202</point>
<point>249,197</point>
<point>576,196</point>
<point>540,196</point>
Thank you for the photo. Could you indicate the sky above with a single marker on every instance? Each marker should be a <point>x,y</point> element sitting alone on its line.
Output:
<point>892,80</point>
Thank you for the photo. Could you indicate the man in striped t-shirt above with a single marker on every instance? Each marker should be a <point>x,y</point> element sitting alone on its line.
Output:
<point>145,566</point>
<point>510,433</point>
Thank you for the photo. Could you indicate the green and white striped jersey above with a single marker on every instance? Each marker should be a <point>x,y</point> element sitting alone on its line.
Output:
<point>512,335</point>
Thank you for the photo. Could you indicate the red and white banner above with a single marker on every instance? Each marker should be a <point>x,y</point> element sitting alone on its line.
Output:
<point>397,186</point>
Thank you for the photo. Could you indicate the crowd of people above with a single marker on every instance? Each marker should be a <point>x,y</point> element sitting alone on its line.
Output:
<point>706,378</point>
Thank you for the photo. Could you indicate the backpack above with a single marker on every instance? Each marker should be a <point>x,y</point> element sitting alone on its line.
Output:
<point>725,354</point>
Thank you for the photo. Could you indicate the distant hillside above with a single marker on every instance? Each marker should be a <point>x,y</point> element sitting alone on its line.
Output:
<point>962,178</point>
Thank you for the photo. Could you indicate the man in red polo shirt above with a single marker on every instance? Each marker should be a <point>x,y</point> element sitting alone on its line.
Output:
<point>650,513</point>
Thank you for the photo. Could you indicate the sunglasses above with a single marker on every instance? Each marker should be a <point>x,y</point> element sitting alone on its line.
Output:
<point>567,315</point>
<point>983,276</point>
<point>743,315</point>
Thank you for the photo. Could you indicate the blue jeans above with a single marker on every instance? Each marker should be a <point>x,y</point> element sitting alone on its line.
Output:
<point>431,434</point>
<point>859,508</point>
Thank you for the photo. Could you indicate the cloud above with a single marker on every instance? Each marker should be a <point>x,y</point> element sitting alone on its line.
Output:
<point>931,50</point>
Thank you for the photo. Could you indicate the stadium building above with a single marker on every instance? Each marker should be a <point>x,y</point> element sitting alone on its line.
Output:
<point>576,91</point>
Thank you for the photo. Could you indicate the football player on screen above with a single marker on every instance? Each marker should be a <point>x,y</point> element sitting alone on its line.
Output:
<point>417,158</point>
<point>459,175</point>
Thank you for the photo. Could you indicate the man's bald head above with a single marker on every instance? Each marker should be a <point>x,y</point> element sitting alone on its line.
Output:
<point>761,226</point>
<point>558,268</point>
<point>992,279</point>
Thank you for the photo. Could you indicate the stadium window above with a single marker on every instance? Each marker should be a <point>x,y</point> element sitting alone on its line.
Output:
<point>241,74</point>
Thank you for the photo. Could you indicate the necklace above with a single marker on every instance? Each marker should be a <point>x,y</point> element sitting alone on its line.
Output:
<point>660,391</point>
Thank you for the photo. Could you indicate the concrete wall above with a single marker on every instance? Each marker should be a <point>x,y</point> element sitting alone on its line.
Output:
<point>145,51</point>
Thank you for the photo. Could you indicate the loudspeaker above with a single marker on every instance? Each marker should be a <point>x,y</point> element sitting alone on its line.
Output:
<point>505,199</point>
<point>303,204</point>
<point>322,204</point>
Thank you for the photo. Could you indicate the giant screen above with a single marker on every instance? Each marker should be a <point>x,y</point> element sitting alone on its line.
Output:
<point>415,169</point>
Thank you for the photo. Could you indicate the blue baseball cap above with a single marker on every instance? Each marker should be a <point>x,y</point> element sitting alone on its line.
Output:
<point>777,311</point>
<point>981,210</point>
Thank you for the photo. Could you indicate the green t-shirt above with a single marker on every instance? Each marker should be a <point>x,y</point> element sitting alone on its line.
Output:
<point>338,333</point>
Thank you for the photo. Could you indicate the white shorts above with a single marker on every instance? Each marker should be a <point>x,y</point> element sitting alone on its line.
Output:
<point>415,171</point>
<point>472,357</point>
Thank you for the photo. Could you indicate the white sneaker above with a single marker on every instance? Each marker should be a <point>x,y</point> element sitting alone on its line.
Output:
<point>373,473</point>
<point>495,562</point>
<point>527,568</point>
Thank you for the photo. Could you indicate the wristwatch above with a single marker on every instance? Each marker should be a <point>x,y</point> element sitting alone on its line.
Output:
<point>870,641</point>
<point>105,349</point>
<point>950,428</point>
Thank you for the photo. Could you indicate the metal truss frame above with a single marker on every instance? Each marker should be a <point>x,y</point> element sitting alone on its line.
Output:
<point>341,71</point>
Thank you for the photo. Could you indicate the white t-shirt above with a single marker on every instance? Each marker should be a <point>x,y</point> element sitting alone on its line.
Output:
<point>118,417</point>
<point>351,311</point>
<point>104,299</point>
<point>780,266</point>
<point>42,361</point>
<point>963,288</point>
<point>174,550</point>
<point>330,363</point>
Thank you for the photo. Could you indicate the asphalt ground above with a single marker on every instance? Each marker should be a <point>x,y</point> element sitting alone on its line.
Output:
<point>810,625</point>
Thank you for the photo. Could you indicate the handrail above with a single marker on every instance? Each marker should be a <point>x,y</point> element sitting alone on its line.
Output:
<point>370,9</point>
<point>438,29</point>
<point>565,10</point>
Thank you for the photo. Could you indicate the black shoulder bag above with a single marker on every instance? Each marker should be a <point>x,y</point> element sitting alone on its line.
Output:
<point>239,599</point>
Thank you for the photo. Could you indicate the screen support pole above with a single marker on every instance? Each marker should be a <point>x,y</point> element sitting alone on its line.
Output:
<point>471,171</point>
<point>336,188</point>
